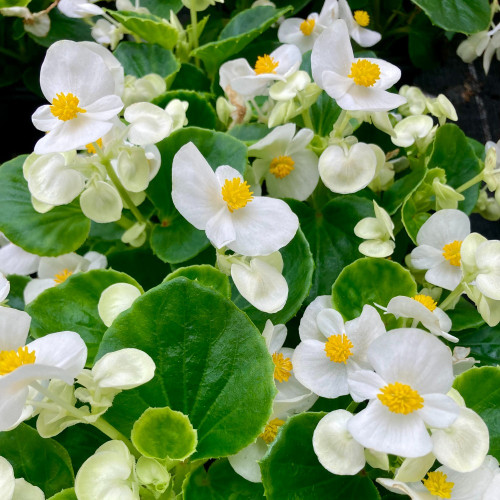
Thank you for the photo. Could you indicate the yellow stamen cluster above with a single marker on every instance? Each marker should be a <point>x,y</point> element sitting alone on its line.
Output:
<point>282,367</point>
<point>364,73</point>
<point>236,193</point>
<point>271,429</point>
<point>91,148</point>
<point>11,360</point>
<point>307,26</point>
<point>437,485</point>
<point>62,276</point>
<point>281,166</point>
<point>451,252</point>
<point>426,301</point>
<point>265,64</point>
<point>400,398</point>
<point>338,348</point>
<point>65,106</point>
<point>362,17</point>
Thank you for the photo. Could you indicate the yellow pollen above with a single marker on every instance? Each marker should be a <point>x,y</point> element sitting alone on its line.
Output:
<point>236,193</point>
<point>280,167</point>
<point>91,148</point>
<point>307,26</point>
<point>451,252</point>
<point>62,276</point>
<point>364,73</point>
<point>400,398</point>
<point>282,367</point>
<point>11,360</point>
<point>437,485</point>
<point>65,106</point>
<point>338,348</point>
<point>271,429</point>
<point>265,64</point>
<point>362,17</point>
<point>426,301</point>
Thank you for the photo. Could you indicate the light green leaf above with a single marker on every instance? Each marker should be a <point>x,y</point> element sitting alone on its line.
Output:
<point>68,494</point>
<point>205,275</point>
<point>59,231</point>
<point>211,364</point>
<point>13,3</point>
<point>72,305</point>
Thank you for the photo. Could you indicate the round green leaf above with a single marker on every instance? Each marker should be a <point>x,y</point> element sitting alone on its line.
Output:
<point>72,306</point>
<point>291,470</point>
<point>211,364</point>
<point>189,77</point>
<point>59,231</point>
<point>205,275</point>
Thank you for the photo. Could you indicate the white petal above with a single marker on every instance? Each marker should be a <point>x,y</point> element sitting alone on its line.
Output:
<point>308,328</point>
<point>35,287</point>
<point>273,144</point>
<point>14,328</point>
<point>101,202</point>
<point>415,469</point>
<point>360,98</point>
<point>7,481</point>
<point>26,491</point>
<point>426,256</point>
<point>288,58</point>
<point>330,322</point>
<point>439,410</point>
<point>405,489</point>
<point>377,248</point>
<point>97,260</point>
<point>15,260</point>
<point>275,336</point>
<point>365,37</point>
<point>336,85</point>
<point>105,108</point>
<point>443,227</point>
<point>220,228</point>
<point>4,287</point>
<point>11,406</point>
<point>148,123</point>
<point>50,266</point>
<point>245,462</point>
<point>115,299</point>
<point>364,384</point>
<point>444,275</point>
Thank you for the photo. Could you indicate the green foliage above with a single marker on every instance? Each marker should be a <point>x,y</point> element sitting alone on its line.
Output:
<point>206,276</point>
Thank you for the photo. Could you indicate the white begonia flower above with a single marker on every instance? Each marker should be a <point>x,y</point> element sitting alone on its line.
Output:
<point>109,474</point>
<point>357,25</point>
<point>79,8</point>
<point>291,87</point>
<point>491,172</point>
<point>355,83</point>
<point>409,130</point>
<point>135,235</point>
<point>143,89</point>
<point>473,46</point>
<point>16,489</point>
<point>406,392</point>
<point>445,482</point>
<point>414,469</point>
<point>347,170</point>
<point>81,87</point>
<point>132,168</point>
<point>439,243</point>
<point>330,349</point>
<point>107,33</point>
<point>289,169</point>
<point>115,299</point>
<point>37,23</point>
<point>489,309</point>
<point>4,288</point>
<point>177,110</point>
<point>53,271</point>
<point>487,206</point>
<point>15,260</point>
<point>249,82</point>
<point>378,233</point>
<point>101,202</point>
<point>416,101</point>
<point>222,204</point>
<point>379,119</point>
<point>461,361</point>
<point>422,309</point>
<point>148,123</point>
<point>442,108</point>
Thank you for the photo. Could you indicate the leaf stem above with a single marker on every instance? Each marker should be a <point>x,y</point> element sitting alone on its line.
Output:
<point>352,406</point>
<point>307,119</point>
<point>194,32</point>
<point>470,183</point>
<point>341,123</point>
<point>452,296</point>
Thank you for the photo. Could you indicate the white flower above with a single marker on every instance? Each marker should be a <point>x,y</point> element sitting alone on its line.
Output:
<point>439,242</point>
<point>289,169</point>
<point>461,362</point>
<point>222,204</point>
<point>79,8</point>
<point>16,489</point>
<point>446,196</point>
<point>378,233</point>
<point>411,129</point>
<point>115,299</point>
<point>356,25</point>
<point>355,83</point>
<point>4,288</point>
<point>15,260</point>
<point>416,101</point>
<point>442,108</point>
<point>106,33</point>
<point>406,393</point>
<point>249,82</point>
<point>81,89</point>
<point>300,32</point>
<point>329,350</point>
<point>489,309</point>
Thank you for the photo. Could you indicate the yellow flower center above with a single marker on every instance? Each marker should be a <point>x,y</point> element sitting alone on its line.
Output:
<point>282,367</point>
<point>280,167</point>
<point>338,348</point>
<point>11,360</point>
<point>236,193</point>
<point>62,276</point>
<point>91,148</point>
<point>271,429</point>
<point>426,301</point>
<point>362,17</point>
<point>400,398</point>
<point>437,485</point>
<point>307,26</point>
<point>451,252</point>
<point>364,73</point>
<point>265,64</point>
<point>65,106</point>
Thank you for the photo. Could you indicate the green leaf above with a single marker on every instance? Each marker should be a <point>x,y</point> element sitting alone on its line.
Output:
<point>324,113</point>
<point>453,153</point>
<point>298,270</point>
<point>220,482</point>
<point>16,294</point>
<point>462,16</point>
<point>163,433</point>
<point>249,132</point>
<point>4,4</point>
<point>480,388</point>
<point>141,59</point>
<point>151,28</point>
<point>237,34</point>
<point>73,305</point>
<point>484,343</point>
<point>42,462</point>
<point>464,316</point>
<point>211,364</point>
<point>330,234</point>
<point>189,77</point>
<point>162,8</point>
<point>371,281</point>
<point>175,240</point>
<point>205,275</point>
<point>68,494</point>
<point>291,470</point>
<point>59,231</point>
